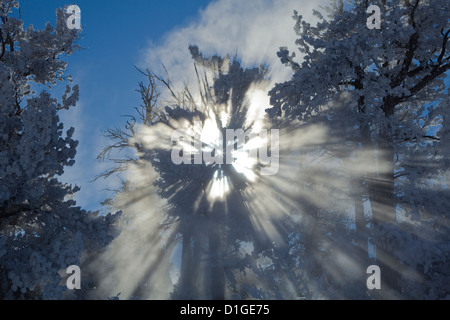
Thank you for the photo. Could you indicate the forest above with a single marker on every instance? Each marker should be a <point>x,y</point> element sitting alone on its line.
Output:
<point>224,196</point>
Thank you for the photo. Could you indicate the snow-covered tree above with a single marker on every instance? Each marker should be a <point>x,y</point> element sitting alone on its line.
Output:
<point>227,220</point>
<point>42,232</point>
<point>393,78</point>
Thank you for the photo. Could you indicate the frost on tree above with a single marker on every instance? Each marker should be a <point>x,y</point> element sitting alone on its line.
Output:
<point>41,230</point>
<point>397,112</point>
<point>228,225</point>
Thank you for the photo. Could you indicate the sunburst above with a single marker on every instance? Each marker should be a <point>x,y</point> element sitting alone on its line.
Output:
<point>193,215</point>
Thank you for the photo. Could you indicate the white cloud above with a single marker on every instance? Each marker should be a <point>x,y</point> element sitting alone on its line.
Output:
<point>86,167</point>
<point>252,30</point>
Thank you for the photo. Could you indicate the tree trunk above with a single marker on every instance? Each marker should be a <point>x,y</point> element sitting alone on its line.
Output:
<point>382,198</point>
<point>185,283</point>
<point>361,235</point>
<point>312,254</point>
<point>188,284</point>
<point>217,274</point>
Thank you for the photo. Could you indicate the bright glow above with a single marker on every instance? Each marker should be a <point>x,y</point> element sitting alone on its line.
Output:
<point>218,187</point>
<point>224,119</point>
<point>243,164</point>
<point>259,101</point>
<point>244,159</point>
<point>210,135</point>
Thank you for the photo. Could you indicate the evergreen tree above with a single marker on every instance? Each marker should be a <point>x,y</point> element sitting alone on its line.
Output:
<point>42,232</point>
<point>393,79</point>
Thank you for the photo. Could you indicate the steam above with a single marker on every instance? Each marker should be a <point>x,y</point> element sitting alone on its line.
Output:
<point>310,192</point>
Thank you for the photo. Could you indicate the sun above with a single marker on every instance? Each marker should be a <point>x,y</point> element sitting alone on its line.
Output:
<point>213,140</point>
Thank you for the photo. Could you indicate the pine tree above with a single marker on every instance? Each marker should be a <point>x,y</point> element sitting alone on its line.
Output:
<point>42,232</point>
<point>394,78</point>
<point>204,207</point>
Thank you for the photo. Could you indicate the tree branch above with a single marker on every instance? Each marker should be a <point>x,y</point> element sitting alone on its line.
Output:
<point>444,44</point>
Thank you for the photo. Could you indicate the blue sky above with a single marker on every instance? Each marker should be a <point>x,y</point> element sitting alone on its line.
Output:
<point>115,33</point>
